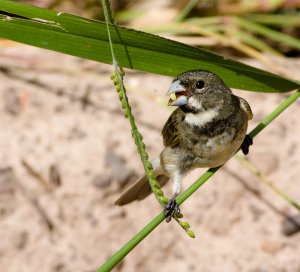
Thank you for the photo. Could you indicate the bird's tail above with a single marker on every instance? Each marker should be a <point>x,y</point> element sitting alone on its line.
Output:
<point>141,189</point>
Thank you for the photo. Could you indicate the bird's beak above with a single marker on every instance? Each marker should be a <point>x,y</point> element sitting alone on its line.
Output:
<point>178,94</point>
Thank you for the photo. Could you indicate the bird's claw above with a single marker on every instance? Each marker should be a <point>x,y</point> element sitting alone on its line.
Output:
<point>246,144</point>
<point>171,209</point>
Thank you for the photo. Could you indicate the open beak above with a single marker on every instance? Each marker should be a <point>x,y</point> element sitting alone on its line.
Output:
<point>178,94</point>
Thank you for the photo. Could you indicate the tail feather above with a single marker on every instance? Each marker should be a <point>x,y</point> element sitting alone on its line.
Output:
<point>141,189</point>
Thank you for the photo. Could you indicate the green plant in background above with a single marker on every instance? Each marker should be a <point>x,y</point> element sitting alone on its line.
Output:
<point>245,27</point>
<point>136,50</point>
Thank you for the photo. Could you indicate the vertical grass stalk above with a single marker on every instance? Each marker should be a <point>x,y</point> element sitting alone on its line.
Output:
<point>117,78</point>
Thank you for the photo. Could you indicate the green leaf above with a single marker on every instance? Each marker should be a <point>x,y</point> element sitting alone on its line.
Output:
<point>134,49</point>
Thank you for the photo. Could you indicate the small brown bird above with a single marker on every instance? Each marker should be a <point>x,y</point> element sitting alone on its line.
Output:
<point>207,128</point>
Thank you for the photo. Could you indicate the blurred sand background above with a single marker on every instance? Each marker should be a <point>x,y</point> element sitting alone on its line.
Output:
<point>67,154</point>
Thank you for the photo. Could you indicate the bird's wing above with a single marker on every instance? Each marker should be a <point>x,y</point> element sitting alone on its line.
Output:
<point>246,108</point>
<point>170,131</point>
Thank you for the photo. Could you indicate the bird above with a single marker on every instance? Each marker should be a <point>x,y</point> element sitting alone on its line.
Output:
<point>206,129</point>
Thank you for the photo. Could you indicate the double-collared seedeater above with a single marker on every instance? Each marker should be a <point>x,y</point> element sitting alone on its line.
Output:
<point>207,128</point>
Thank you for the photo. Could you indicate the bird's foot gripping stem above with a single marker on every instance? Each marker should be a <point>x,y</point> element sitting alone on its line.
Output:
<point>171,209</point>
<point>246,144</point>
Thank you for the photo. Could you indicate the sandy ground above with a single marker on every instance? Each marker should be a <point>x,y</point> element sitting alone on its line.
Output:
<point>67,153</point>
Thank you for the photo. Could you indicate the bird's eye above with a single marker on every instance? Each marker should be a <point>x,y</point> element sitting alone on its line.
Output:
<point>200,84</point>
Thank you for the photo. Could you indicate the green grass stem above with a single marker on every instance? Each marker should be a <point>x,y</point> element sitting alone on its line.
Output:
<point>265,122</point>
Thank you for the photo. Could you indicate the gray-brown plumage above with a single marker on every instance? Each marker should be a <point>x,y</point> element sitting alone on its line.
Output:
<point>206,129</point>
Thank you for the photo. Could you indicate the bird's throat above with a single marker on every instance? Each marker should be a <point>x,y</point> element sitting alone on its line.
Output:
<point>201,118</point>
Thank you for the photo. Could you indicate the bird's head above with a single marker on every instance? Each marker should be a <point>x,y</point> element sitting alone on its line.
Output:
<point>197,90</point>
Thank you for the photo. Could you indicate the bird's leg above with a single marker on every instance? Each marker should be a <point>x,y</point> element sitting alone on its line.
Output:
<point>246,144</point>
<point>171,207</point>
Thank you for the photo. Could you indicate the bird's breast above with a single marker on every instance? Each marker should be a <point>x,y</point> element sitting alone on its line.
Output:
<point>211,141</point>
